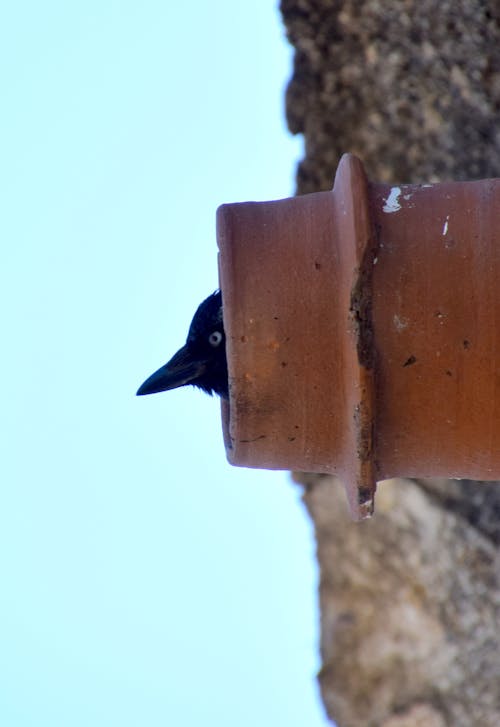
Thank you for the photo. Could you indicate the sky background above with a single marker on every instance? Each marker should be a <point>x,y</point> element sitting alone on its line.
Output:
<point>144,581</point>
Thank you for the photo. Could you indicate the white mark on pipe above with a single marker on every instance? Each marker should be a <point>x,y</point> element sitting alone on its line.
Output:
<point>391,203</point>
<point>366,508</point>
<point>400,323</point>
<point>445,226</point>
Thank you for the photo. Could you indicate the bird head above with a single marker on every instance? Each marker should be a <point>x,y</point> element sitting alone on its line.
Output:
<point>202,360</point>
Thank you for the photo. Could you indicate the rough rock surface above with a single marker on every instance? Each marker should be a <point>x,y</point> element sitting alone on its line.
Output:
<point>410,605</point>
<point>410,601</point>
<point>412,87</point>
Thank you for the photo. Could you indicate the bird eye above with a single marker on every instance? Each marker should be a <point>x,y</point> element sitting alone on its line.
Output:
<point>215,338</point>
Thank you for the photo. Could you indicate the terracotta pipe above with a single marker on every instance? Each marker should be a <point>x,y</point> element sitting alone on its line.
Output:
<point>363,333</point>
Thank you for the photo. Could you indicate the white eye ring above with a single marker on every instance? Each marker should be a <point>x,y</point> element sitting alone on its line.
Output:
<point>215,338</point>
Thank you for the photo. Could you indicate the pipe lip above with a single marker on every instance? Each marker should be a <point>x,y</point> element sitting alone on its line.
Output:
<point>295,276</point>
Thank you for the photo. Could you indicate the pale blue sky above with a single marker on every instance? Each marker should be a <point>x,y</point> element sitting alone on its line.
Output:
<point>144,581</point>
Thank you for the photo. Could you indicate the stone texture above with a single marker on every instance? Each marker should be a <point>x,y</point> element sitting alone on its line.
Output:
<point>410,601</point>
<point>410,607</point>
<point>411,87</point>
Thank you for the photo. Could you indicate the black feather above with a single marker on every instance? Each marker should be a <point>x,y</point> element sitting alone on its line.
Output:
<point>202,360</point>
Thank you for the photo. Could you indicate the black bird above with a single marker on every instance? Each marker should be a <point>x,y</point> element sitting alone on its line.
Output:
<point>202,360</point>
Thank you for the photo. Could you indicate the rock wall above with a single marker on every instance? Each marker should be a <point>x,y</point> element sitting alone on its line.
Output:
<point>410,601</point>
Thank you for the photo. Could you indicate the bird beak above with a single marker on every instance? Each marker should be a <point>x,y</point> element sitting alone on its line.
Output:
<point>182,369</point>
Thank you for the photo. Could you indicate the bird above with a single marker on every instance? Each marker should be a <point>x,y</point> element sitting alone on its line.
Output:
<point>202,360</point>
